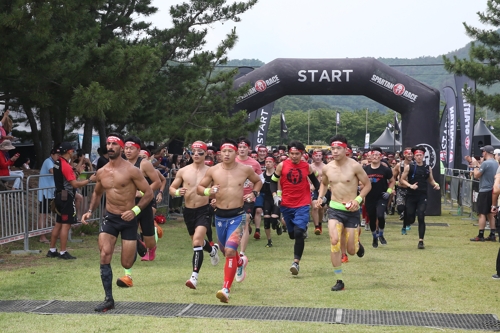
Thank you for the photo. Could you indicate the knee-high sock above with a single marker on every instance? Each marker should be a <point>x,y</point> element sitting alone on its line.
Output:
<point>107,280</point>
<point>207,247</point>
<point>230,271</point>
<point>197,258</point>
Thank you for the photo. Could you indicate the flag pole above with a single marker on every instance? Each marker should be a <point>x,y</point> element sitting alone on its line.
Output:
<point>394,135</point>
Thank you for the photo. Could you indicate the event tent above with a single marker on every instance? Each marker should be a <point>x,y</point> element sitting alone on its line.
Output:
<point>386,142</point>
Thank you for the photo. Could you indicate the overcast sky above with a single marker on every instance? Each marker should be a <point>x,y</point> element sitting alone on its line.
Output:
<point>344,28</point>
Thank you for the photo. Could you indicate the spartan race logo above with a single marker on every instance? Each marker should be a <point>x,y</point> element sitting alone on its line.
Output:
<point>294,176</point>
<point>258,87</point>
<point>430,157</point>
<point>397,89</point>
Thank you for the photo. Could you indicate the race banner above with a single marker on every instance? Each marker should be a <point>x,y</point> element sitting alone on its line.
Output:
<point>264,114</point>
<point>284,129</point>
<point>451,120</point>
<point>443,137</point>
<point>466,111</point>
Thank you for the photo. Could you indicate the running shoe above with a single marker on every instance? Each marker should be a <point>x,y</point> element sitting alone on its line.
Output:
<point>108,304</point>
<point>66,256</point>
<point>279,229</point>
<point>256,235</point>
<point>146,257</point>
<point>421,245</point>
<point>223,295</point>
<point>141,247</point>
<point>363,222</point>
<point>269,244</point>
<point>477,239</point>
<point>345,258</point>
<point>375,242</point>
<point>192,282</point>
<point>338,286</point>
<point>295,268</point>
<point>402,216</point>
<point>361,250</point>
<point>317,231</point>
<point>403,231</point>
<point>408,227</point>
<point>241,273</point>
<point>382,240</point>
<point>125,282</point>
<point>52,254</point>
<point>152,253</point>
<point>496,277</point>
<point>491,238</point>
<point>214,259</point>
<point>367,227</point>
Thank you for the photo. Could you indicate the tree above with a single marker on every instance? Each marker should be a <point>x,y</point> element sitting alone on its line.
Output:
<point>484,59</point>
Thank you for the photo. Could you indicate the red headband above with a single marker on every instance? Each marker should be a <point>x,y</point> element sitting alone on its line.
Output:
<point>253,154</point>
<point>228,145</point>
<point>269,158</point>
<point>199,145</point>
<point>209,162</point>
<point>339,144</point>
<point>133,144</point>
<point>263,149</point>
<point>318,153</point>
<point>116,139</point>
<point>349,150</point>
<point>218,152</point>
<point>145,152</point>
<point>407,151</point>
<point>283,157</point>
<point>294,149</point>
<point>418,152</point>
<point>244,143</point>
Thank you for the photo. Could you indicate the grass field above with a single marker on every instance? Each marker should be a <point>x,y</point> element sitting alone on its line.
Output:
<point>452,275</point>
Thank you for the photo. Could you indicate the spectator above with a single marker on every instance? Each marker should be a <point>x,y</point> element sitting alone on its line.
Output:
<point>103,159</point>
<point>6,163</point>
<point>26,164</point>
<point>46,192</point>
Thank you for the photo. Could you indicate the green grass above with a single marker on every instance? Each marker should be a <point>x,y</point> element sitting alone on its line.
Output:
<point>451,275</point>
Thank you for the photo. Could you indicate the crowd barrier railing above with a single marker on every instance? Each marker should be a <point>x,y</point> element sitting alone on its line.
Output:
<point>459,190</point>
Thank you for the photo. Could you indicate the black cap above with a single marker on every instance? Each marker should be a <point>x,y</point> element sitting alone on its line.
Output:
<point>65,146</point>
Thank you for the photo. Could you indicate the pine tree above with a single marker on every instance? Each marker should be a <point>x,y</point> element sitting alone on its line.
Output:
<point>483,65</point>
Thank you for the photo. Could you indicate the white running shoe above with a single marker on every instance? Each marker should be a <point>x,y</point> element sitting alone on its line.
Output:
<point>192,282</point>
<point>363,222</point>
<point>214,259</point>
<point>241,273</point>
<point>223,295</point>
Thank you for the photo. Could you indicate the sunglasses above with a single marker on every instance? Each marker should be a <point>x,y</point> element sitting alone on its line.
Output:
<point>199,153</point>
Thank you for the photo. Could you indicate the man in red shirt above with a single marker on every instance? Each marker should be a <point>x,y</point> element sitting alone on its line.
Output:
<point>66,184</point>
<point>296,197</point>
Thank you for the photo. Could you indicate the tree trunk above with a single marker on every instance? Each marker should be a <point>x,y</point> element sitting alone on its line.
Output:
<point>46,132</point>
<point>101,128</point>
<point>35,135</point>
<point>87,135</point>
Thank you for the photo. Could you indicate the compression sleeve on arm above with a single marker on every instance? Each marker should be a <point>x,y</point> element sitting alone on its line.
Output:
<point>314,180</point>
<point>273,185</point>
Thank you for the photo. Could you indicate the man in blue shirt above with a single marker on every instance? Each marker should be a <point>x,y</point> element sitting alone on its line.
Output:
<point>46,191</point>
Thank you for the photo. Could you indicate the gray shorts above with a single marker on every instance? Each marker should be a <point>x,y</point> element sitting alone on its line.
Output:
<point>348,219</point>
<point>401,196</point>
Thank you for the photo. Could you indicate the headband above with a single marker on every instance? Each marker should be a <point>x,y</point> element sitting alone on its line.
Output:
<point>116,139</point>
<point>133,144</point>
<point>262,149</point>
<point>339,144</point>
<point>283,157</point>
<point>294,150</point>
<point>349,150</point>
<point>269,158</point>
<point>407,151</point>
<point>320,153</point>
<point>209,162</point>
<point>199,145</point>
<point>218,152</point>
<point>228,145</point>
<point>253,154</point>
<point>418,152</point>
<point>145,152</point>
<point>244,143</point>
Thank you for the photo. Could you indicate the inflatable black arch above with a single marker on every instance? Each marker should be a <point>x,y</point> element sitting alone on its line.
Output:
<point>417,103</point>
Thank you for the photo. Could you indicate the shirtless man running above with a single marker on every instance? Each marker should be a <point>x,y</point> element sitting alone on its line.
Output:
<point>197,214</point>
<point>343,175</point>
<point>228,178</point>
<point>120,180</point>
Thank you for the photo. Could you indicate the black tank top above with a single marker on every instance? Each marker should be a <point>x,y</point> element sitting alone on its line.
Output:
<point>418,174</point>
<point>138,165</point>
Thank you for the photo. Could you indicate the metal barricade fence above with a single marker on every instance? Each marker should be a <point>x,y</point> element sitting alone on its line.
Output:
<point>459,189</point>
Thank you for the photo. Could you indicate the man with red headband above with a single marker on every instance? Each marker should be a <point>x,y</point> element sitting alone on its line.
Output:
<point>197,213</point>
<point>228,178</point>
<point>402,190</point>
<point>121,212</point>
<point>416,176</point>
<point>249,206</point>
<point>296,197</point>
<point>343,176</point>
<point>317,212</point>
<point>132,150</point>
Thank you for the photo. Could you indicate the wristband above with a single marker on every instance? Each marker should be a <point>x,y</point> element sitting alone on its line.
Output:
<point>90,211</point>
<point>178,193</point>
<point>278,193</point>
<point>359,199</point>
<point>136,210</point>
<point>207,191</point>
<point>142,193</point>
<point>389,190</point>
<point>161,191</point>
